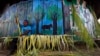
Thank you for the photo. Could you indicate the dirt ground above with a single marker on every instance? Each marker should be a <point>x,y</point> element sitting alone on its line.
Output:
<point>4,52</point>
<point>96,52</point>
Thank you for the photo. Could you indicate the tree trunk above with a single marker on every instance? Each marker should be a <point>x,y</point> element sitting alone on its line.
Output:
<point>63,17</point>
<point>37,27</point>
<point>54,26</point>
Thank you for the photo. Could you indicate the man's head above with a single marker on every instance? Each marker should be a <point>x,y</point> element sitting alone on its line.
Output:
<point>25,22</point>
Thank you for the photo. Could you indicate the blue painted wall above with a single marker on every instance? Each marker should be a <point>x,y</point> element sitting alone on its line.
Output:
<point>25,10</point>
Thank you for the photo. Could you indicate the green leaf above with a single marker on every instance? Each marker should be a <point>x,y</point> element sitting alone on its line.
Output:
<point>97,25</point>
<point>84,33</point>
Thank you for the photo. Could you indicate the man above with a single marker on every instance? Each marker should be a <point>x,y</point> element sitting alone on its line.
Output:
<point>25,28</point>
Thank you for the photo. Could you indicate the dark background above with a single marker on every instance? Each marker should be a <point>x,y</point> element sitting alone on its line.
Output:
<point>94,3</point>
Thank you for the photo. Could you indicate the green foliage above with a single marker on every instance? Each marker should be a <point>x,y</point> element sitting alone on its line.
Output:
<point>32,45</point>
<point>7,41</point>
<point>25,47</point>
<point>97,25</point>
<point>84,33</point>
<point>54,11</point>
<point>40,42</point>
<point>38,13</point>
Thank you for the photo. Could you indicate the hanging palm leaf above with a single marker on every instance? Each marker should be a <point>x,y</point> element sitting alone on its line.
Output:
<point>84,33</point>
<point>28,45</point>
<point>7,41</point>
<point>97,25</point>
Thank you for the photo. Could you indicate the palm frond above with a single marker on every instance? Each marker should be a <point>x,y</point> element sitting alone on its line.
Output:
<point>97,25</point>
<point>7,41</point>
<point>84,33</point>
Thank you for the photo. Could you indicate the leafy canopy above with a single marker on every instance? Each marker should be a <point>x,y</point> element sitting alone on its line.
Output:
<point>38,13</point>
<point>54,12</point>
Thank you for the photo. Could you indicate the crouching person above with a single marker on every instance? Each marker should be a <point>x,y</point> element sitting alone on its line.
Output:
<point>25,30</point>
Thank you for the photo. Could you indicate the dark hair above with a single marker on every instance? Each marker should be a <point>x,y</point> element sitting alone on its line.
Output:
<point>26,21</point>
